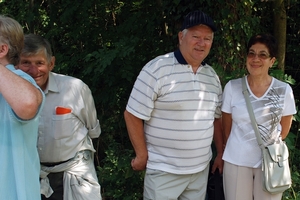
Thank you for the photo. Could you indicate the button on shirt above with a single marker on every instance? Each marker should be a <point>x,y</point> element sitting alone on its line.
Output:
<point>61,136</point>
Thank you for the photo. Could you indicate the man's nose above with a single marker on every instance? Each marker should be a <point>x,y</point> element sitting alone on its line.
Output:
<point>33,70</point>
<point>200,42</point>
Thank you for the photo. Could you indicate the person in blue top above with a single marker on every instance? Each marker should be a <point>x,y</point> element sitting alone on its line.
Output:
<point>20,103</point>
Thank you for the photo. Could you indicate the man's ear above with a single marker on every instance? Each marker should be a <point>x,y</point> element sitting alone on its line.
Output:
<point>180,36</point>
<point>3,50</point>
<point>52,63</point>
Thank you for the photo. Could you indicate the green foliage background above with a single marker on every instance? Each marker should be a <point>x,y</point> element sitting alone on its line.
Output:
<point>107,42</point>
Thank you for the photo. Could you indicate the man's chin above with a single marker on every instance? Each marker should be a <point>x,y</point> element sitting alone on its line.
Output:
<point>38,82</point>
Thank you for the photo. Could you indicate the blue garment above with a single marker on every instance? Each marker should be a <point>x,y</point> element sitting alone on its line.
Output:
<point>19,160</point>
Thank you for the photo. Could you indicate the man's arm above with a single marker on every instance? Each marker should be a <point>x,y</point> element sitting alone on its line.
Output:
<point>218,141</point>
<point>135,128</point>
<point>89,116</point>
<point>23,97</point>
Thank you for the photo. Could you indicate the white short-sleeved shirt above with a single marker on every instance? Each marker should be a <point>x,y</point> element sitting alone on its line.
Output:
<point>179,108</point>
<point>242,148</point>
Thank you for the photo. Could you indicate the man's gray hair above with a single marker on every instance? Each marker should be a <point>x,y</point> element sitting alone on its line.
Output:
<point>35,44</point>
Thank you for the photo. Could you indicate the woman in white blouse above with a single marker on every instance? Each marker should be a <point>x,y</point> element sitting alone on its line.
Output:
<point>273,106</point>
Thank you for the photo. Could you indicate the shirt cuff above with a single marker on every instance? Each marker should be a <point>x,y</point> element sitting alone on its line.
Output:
<point>96,131</point>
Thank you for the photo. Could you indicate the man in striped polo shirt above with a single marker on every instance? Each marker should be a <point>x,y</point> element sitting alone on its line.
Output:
<point>173,114</point>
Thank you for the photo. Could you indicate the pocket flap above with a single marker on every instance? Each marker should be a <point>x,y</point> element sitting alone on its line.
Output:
<point>278,151</point>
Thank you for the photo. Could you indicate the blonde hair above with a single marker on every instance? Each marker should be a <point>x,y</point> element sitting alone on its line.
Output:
<point>11,33</point>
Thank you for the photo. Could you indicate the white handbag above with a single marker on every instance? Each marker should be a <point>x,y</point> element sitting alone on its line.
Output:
<point>275,163</point>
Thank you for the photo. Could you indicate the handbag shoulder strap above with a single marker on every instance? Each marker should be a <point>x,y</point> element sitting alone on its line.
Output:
<point>251,114</point>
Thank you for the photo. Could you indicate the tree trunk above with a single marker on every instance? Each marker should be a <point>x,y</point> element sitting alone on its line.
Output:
<point>280,22</point>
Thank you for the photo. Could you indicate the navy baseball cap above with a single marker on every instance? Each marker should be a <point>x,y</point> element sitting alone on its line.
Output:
<point>198,17</point>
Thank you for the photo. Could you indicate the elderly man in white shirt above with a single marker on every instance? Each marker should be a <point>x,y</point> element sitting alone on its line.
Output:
<point>67,125</point>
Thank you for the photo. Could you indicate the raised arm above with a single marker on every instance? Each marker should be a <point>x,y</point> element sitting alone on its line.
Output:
<point>23,97</point>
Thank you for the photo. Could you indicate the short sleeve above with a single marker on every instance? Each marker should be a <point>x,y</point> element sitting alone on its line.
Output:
<point>289,102</point>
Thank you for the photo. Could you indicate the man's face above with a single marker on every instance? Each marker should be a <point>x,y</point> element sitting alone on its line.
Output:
<point>195,44</point>
<point>38,67</point>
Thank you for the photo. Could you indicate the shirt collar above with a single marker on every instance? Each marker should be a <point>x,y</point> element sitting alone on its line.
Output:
<point>180,58</point>
<point>51,86</point>
<point>10,67</point>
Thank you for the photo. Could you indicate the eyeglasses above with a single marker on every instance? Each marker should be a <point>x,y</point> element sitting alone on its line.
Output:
<point>262,56</point>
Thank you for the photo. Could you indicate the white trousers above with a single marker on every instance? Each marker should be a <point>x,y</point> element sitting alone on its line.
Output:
<point>159,185</point>
<point>245,183</point>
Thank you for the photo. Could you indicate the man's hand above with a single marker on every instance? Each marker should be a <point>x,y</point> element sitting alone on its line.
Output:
<point>138,164</point>
<point>218,163</point>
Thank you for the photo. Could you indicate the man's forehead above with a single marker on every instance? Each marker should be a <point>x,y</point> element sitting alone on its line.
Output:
<point>34,55</point>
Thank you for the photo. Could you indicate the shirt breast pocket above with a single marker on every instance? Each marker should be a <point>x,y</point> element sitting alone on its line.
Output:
<point>65,125</point>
